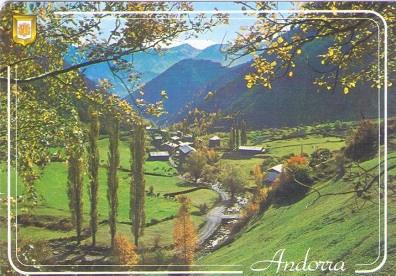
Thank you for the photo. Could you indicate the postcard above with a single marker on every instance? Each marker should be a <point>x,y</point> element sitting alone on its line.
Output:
<point>165,137</point>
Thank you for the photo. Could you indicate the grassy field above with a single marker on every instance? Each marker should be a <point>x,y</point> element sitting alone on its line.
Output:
<point>335,228</point>
<point>52,188</point>
<point>277,149</point>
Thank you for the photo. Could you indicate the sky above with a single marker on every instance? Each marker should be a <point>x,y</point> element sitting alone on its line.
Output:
<point>219,34</point>
<point>224,33</point>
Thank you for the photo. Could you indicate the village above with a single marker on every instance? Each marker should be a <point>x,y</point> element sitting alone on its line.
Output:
<point>176,146</point>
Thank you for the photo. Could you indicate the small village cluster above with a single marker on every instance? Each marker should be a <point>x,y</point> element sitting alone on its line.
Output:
<point>177,147</point>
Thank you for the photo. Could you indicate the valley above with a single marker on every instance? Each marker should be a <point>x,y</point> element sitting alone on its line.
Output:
<point>254,138</point>
<point>299,224</point>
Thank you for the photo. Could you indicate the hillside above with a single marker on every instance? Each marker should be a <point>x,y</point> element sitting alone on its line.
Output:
<point>150,64</point>
<point>293,100</point>
<point>181,82</point>
<point>334,228</point>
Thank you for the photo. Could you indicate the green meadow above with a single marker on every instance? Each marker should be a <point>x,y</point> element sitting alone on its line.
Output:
<point>337,228</point>
<point>160,210</point>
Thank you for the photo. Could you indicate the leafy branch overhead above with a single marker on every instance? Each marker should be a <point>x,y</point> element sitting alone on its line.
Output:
<point>139,28</point>
<point>47,76</point>
<point>354,43</point>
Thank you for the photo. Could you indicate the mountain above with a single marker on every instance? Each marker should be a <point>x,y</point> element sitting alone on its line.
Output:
<point>217,53</point>
<point>291,101</point>
<point>181,82</point>
<point>147,64</point>
<point>152,62</point>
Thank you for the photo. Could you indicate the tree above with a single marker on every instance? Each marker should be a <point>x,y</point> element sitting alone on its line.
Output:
<point>155,30</point>
<point>258,175</point>
<point>93,170</point>
<point>295,179</point>
<point>236,128</point>
<point>353,47</point>
<point>138,187</point>
<point>49,88</point>
<point>243,133</point>
<point>112,177</point>
<point>232,138</point>
<point>195,165</point>
<point>74,151</point>
<point>124,251</point>
<point>363,143</point>
<point>184,233</point>
<point>233,180</point>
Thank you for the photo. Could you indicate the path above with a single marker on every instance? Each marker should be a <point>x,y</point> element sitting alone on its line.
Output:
<point>213,217</point>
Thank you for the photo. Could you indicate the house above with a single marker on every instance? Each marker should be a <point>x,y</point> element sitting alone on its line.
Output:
<point>214,142</point>
<point>169,147</point>
<point>274,172</point>
<point>157,141</point>
<point>175,139</point>
<point>248,150</point>
<point>188,138</point>
<point>158,156</point>
<point>152,129</point>
<point>184,150</point>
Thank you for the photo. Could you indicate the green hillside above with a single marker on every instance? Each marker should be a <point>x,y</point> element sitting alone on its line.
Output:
<point>334,228</point>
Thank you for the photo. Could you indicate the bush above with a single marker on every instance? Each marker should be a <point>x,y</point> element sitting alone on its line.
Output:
<point>319,157</point>
<point>203,208</point>
<point>363,143</point>
<point>295,178</point>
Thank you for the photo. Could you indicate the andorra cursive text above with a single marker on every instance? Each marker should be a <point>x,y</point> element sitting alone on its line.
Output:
<point>305,265</point>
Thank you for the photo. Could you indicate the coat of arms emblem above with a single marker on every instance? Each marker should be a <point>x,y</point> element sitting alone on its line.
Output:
<point>24,29</point>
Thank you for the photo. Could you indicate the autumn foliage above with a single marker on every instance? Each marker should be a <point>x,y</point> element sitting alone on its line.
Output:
<point>124,251</point>
<point>184,233</point>
<point>294,180</point>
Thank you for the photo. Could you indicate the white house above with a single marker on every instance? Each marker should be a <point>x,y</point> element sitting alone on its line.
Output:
<point>273,172</point>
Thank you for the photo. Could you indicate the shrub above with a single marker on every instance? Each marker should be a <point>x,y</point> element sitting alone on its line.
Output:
<point>203,208</point>
<point>295,178</point>
<point>363,143</point>
<point>319,157</point>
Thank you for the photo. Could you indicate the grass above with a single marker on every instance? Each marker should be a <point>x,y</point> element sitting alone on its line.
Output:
<point>52,187</point>
<point>335,228</point>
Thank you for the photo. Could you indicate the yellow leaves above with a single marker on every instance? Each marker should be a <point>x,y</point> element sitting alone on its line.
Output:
<point>330,52</point>
<point>273,64</point>
<point>163,94</point>
<point>141,93</point>
<point>280,39</point>
<point>346,90</point>
<point>290,74</point>
<point>298,52</point>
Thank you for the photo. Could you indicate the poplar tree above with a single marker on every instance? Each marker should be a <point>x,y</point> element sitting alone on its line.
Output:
<point>93,170</point>
<point>243,133</point>
<point>236,135</point>
<point>112,178</point>
<point>137,187</point>
<point>74,151</point>
<point>232,138</point>
<point>184,233</point>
